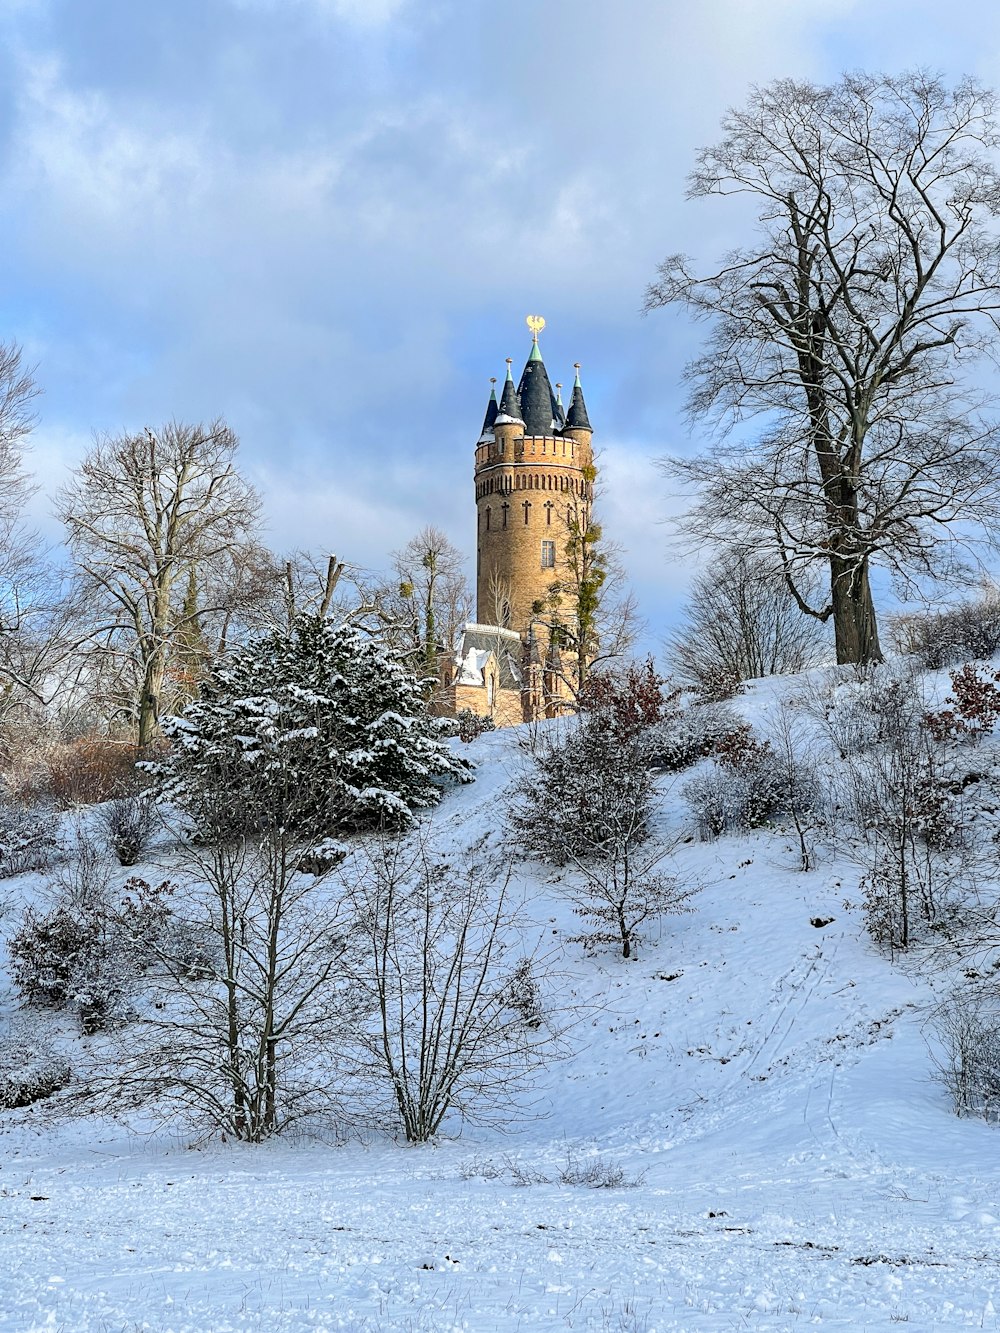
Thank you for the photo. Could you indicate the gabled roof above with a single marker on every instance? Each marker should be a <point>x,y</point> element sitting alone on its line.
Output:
<point>479,644</point>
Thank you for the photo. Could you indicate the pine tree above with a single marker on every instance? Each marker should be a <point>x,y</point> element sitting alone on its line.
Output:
<point>364,752</point>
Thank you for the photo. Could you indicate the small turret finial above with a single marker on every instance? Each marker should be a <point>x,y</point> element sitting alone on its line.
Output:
<point>510,362</point>
<point>493,379</point>
<point>576,367</point>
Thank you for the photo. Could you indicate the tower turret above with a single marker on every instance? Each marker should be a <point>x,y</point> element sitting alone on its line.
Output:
<point>492,411</point>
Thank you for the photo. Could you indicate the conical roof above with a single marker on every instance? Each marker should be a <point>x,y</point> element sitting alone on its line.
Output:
<point>510,406</point>
<point>538,402</point>
<point>559,412</point>
<point>492,408</point>
<point>576,417</point>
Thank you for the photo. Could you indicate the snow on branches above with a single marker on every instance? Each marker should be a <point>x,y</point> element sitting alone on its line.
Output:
<point>320,725</point>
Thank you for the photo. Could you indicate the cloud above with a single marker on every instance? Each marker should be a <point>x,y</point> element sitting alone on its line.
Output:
<point>328,218</point>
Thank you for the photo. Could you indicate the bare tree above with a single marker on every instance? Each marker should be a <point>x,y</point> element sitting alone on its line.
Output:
<point>141,512</point>
<point>900,786</point>
<point>18,391</point>
<point>247,1006</point>
<point>433,597</point>
<point>848,329</point>
<point>37,608</point>
<point>458,1024</point>
<point>590,613</point>
<point>741,622</point>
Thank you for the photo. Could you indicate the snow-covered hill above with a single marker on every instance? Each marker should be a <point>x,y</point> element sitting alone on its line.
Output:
<point>763,1084</point>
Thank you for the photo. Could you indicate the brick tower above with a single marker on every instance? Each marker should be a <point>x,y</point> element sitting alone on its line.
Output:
<point>533,476</point>
<point>534,479</point>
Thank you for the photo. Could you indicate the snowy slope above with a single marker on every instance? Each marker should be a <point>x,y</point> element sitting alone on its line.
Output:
<point>765,1081</point>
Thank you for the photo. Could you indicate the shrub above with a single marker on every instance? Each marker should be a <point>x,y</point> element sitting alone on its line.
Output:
<point>582,786</point>
<point>689,734</point>
<point>941,638</point>
<point>86,956</point>
<point>128,823</point>
<point>48,952</point>
<point>28,838</point>
<point>976,700</point>
<point>92,770</point>
<point>967,1025</point>
<point>630,700</point>
<point>524,994</point>
<point>748,785</point>
<point>83,876</point>
<point>471,725</point>
<point>30,1070</point>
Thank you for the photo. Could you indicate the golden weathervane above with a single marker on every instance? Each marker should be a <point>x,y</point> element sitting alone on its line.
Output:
<point>535,323</point>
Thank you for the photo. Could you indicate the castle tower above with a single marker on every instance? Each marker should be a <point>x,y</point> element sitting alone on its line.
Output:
<point>533,476</point>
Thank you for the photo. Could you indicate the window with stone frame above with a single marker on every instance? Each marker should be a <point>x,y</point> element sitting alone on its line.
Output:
<point>548,555</point>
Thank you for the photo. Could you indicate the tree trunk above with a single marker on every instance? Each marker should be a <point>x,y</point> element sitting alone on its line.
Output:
<point>149,703</point>
<point>854,625</point>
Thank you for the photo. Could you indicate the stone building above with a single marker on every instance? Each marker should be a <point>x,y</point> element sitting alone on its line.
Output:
<point>533,480</point>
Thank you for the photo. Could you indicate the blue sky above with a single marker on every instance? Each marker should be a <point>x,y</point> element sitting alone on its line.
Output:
<point>327,220</point>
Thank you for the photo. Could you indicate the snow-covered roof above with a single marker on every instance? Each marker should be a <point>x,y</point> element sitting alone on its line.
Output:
<point>479,644</point>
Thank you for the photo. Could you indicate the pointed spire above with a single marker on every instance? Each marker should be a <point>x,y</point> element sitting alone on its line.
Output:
<point>535,394</point>
<point>510,406</point>
<point>576,418</point>
<point>559,412</point>
<point>492,408</point>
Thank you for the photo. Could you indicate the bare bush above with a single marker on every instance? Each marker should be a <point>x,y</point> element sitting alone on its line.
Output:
<point>596,1173</point>
<point>969,630</point>
<point>457,1029</point>
<point>82,877</point>
<point>620,890</point>
<point>90,770</point>
<point>967,1025</point>
<point>901,792</point>
<point>128,823</point>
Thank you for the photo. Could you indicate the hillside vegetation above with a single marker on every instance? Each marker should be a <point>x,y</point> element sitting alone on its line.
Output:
<point>741,1125</point>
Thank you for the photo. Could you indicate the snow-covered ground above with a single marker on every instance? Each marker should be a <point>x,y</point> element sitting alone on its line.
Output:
<point>764,1083</point>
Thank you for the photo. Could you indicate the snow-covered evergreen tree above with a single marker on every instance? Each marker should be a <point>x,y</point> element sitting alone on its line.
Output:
<point>320,725</point>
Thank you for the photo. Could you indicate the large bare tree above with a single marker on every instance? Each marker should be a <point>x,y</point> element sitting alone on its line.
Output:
<point>142,512</point>
<point>741,622</point>
<point>433,593</point>
<point>848,329</point>
<point>37,609</point>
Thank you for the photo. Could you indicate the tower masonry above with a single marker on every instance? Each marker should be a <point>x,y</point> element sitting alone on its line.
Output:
<point>533,479</point>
